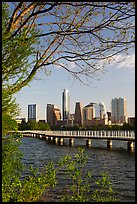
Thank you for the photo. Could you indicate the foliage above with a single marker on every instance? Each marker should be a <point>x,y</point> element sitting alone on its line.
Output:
<point>79,189</point>
<point>9,105</point>
<point>104,192</point>
<point>22,125</point>
<point>33,125</point>
<point>9,110</point>
<point>8,124</point>
<point>86,35</point>
<point>125,126</point>
<point>15,53</point>
<point>74,169</point>
<point>15,189</point>
<point>31,189</point>
<point>11,166</point>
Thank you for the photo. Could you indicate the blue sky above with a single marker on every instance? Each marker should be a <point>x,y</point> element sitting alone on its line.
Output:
<point>117,81</point>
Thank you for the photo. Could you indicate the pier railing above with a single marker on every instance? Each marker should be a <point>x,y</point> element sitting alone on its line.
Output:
<point>88,135</point>
<point>92,134</point>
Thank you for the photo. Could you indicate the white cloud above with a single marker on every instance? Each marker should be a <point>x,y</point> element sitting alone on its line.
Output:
<point>69,65</point>
<point>120,61</point>
<point>57,66</point>
<point>124,61</point>
<point>72,65</point>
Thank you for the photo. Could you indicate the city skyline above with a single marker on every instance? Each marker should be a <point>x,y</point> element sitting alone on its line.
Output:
<point>98,110</point>
<point>117,81</point>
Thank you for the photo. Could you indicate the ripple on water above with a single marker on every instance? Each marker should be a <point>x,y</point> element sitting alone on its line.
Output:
<point>117,162</point>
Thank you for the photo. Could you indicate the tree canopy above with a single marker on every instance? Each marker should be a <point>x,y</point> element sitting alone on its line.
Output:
<point>41,35</point>
<point>33,125</point>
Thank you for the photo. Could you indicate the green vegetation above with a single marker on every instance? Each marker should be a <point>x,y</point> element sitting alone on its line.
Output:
<point>15,53</point>
<point>11,167</point>
<point>80,188</point>
<point>15,189</point>
<point>125,126</point>
<point>31,189</point>
<point>8,124</point>
<point>33,125</point>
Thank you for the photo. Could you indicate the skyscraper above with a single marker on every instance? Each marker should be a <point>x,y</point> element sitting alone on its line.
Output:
<point>65,104</point>
<point>32,112</point>
<point>78,114</point>
<point>119,110</point>
<point>50,108</point>
<point>88,113</point>
<point>103,113</point>
<point>53,114</point>
<point>56,115</point>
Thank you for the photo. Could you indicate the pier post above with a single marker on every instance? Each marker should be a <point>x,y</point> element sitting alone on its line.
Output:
<point>109,144</point>
<point>61,141</point>
<point>51,138</point>
<point>88,142</point>
<point>130,145</point>
<point>56,140</point>
<point>71,141</point>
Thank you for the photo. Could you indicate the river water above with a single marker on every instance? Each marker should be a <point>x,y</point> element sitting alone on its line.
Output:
<point>118,162</point>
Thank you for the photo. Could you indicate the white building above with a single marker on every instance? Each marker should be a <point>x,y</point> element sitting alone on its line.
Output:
<point>103,113</point>
<point>119,110</point>
<point>97,111</point>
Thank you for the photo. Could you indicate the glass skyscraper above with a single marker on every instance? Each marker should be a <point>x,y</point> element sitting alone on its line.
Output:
<point>32,112</point>
<point>65,104</point>
<point>119,110</point>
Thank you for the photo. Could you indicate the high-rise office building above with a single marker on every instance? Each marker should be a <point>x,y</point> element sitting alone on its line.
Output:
<point>97,111</point>
<point>103,113</point>
<point>65,104</point>
<point>32,112</point>
<point>88,113</point>
<point>50,108</point>
<point>78,114</point>
<point>53,114</point>
<point>56,115</point>
<point>119,110</point>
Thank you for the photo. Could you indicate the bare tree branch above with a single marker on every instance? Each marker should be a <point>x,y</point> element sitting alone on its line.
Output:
<point>86,33</point>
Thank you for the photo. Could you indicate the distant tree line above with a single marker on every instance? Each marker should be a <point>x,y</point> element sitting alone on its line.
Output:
<point>33,125</point>
<point>125,126</point>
